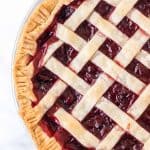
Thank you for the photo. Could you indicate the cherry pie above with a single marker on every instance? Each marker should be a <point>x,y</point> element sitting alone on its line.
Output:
<point>82,74</point>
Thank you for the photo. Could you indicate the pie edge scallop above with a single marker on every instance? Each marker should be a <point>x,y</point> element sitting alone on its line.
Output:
<point>26,46</point>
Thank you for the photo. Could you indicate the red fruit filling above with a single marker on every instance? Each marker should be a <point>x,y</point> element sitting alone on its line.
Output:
<point>90,72</point>
<point>144,120</point>
<point>98,123</point>
<point>128,142</point>
<point>139,70</point>
<point>110,48</point>
<point>42,82</point>
<point>86,30</point>
<point>104,9</point>
<point>144,7</point>
<point>68,99</point>
<point>65,54</point>
<point>127,26</point>
<point>120,96</point>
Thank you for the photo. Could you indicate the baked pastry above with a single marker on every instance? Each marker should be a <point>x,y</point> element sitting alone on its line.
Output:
<point>82,74</point>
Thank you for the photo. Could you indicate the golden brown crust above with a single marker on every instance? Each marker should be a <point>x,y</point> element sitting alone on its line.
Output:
<point>40,18</point>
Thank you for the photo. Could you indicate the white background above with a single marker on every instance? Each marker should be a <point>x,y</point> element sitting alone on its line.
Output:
<point>13,134</point>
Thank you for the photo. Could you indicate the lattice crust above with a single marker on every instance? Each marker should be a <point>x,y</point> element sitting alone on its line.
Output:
<point>94,95</point>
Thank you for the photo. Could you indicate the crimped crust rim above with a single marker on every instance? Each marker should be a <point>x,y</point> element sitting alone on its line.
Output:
<point>35,24</point>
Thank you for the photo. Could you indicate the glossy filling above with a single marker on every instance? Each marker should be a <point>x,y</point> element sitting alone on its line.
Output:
<point>139,70</point>
<point>63,14</point>
<point>51,126</point>
<point>68,99</point>
<point>48,36</point>
<point>86,30</point>
<point>127,26</point>
<point>90,72</point>
<point>146,47</point>
<point>128,142</point>
<point>104,9</point>
<point>65,54</point>
<point>42,82</point>
<point>110,48</point>
<point>97,122</point>
<point>144,120</point>
<point>144,7</point>
<point>120,96</point>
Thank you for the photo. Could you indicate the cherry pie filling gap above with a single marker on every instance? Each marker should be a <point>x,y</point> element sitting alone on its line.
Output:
<point>95,76</point>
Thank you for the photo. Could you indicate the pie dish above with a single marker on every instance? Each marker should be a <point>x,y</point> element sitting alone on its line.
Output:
<point>82,74</point>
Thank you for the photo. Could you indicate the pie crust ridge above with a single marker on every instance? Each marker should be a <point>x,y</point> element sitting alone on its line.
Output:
<point>40,18</point>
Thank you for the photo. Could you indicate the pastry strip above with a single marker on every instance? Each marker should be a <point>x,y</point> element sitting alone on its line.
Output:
<point>81,14</point>
<point>108,29</point>
<point>70,37</point>
<point>136,111</point>
<point>87,52</point>
<point>67,75</point>
<point>144,58</point>
<point>121,11</point>
<point>76,129</point>
<point>92,96</point>
<point>118,73</point>
<point>131,48</point>
<point>142,21</point>
<point>50,98</point>
<point>123,120</point>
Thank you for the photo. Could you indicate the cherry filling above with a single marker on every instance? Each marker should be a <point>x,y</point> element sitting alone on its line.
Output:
<point>64,13</point>
<point>86,30</point>
<point>76,3</point>
<point>44,79</point>
<point>38,58</point>
<point>69,99</point>
<point>146,47</point>
<point>127,26</point>
<point>139,70</point>
<point>120,96</point>
<point>42,82</point>
<point>51,127</point>
<point>65,54</point>
<point>67,141</point>
<point>48,36</point>
<point>128,142</point>
<point>90,72</point>
<point>110,48</point>
<point>98,123</point>
<point>144,7</point>
<point>144,120</point>
<point>104,9</point>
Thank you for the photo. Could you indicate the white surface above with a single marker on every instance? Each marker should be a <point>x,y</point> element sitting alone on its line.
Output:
<point>13,134</point>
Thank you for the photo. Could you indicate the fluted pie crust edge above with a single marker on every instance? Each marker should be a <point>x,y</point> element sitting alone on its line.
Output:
<point>37,22</point>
